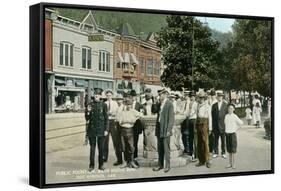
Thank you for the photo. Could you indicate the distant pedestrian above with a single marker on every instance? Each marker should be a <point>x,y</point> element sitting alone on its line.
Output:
<point>232,124</point>
<point>248,112</point>
<point>257,115</point>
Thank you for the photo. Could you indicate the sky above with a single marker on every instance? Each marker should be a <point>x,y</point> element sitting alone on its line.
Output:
<point>220,24</point>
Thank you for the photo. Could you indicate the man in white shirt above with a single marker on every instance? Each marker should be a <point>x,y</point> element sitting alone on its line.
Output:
<point>112,107</point>
<point>128,118</point>
<point>192,116</point>
<point>202,127</point>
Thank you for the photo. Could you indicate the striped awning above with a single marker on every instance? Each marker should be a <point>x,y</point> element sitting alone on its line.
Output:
<point>127,58</point>
<point>135,61</point>
<point>121,60</point>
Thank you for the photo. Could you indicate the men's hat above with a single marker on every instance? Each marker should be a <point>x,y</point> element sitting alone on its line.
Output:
<point>119,97</point>
<point>108,91</point>
<point>133,93</point>
<point>201,94</point>
<point>147,90</point>
<point>172,96</point>
<point>163,90</point>
<point>212,92</point>
<point>186,92</point>
<point>98,91</point>
<point>220,93</point>
<point>192,93</point>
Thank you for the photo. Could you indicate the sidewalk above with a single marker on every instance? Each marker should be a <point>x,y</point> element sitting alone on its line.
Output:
<point>70,165</point>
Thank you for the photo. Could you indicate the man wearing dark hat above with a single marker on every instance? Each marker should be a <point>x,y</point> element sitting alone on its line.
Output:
<point>219,110</point>
<point>138,127</point>
<point>97,128</point>
<point>163,131</point>
<point>211,101</point>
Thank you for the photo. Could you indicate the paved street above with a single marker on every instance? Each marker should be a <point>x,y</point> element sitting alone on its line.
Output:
<point>67,159</point>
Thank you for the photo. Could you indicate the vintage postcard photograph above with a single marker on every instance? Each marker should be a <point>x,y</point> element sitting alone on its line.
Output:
<point>134,95</point>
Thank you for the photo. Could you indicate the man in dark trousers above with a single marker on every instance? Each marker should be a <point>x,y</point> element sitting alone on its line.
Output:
<point>164,125</point>
<point>97,128</point>
<point>219,110</point>
<point>138,127</point>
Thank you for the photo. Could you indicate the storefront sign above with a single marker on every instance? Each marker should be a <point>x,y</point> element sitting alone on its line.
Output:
<point>96,37</point>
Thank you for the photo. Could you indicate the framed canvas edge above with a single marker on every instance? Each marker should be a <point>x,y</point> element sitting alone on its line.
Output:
<point>41,153</point>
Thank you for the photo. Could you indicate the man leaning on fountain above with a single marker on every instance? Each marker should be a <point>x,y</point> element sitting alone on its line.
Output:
<point>163,131</point>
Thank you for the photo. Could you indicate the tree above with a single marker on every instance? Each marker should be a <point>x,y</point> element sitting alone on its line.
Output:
<point>252,46</point>
<point>189,53</point>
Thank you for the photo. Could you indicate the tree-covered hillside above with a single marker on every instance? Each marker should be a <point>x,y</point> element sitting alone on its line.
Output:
<point>111,20</point>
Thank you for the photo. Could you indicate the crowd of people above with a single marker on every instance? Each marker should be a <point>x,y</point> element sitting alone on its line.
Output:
<point>209,122</point>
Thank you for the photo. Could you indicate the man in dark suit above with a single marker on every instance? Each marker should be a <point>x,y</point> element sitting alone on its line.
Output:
<point>138,127</point>
<point>163,131</point>
<point>219,110</point>
<point>97,128</point>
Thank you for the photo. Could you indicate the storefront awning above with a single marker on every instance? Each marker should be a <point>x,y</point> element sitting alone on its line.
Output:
<point>59,81</point>
<point>80,83</point>
<point>127,58</point>
<point>135,61</point>
<point>121,60</point>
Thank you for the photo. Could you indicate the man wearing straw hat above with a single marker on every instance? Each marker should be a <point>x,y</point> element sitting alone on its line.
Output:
<point>163,131</point>
<point>202,127</point>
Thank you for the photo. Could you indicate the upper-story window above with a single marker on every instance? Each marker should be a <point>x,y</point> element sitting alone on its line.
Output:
<point>66,54</point>
<point>149,67</point>
<point>156,66</point>
<point>141,61</point>
<point>86,58</point>
<point>104,61</point>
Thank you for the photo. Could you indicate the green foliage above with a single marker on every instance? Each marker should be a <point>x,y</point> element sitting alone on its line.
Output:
<point>240,112</point>
<point>252,55</point>
<point>111,20</point>
<point>187,44</point>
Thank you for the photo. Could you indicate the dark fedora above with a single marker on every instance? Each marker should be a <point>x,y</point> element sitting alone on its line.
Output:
<point>98,91</point>
<point>163,90</point>
<point>133,93</point>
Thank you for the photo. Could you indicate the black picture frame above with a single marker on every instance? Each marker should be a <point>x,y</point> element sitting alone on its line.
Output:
<point>37,107</point>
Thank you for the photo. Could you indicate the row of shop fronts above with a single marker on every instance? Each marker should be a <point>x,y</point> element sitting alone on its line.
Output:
<point>79,55</point>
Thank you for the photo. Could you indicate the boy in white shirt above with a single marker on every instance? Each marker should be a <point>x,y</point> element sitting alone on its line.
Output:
<point>232,124</point>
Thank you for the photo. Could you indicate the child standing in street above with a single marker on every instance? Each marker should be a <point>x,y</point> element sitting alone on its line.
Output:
<point>257,114</point>
<point>248,112</point>
<point>232,124</point>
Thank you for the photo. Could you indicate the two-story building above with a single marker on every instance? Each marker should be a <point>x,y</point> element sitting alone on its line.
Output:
<point>137,61</point>
<point>82,58</point>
